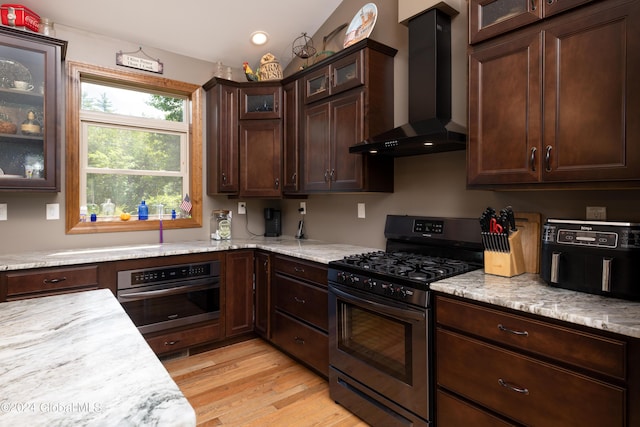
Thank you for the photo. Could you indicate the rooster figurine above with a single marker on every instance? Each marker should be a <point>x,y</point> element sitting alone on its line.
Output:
<point>251,76</point>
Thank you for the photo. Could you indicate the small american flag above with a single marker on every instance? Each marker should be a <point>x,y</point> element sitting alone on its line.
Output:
<point>186,204</point>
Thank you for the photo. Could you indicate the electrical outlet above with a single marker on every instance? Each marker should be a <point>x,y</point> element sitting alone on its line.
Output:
<point>53,211</point>
<point>361,213</point>
<point>303,208</point>
<point>242,208</point>
<point>3,211</point>
<point>597,213</point>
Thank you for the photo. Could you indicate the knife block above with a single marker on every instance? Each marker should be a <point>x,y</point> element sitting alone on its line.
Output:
<point>506,264</point>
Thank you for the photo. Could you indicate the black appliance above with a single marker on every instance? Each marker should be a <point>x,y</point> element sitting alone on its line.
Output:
<point>597,257</point>
<point>380,319</point>
<point>430,129</point>
<point>272,222</point>
<point>159,298</point>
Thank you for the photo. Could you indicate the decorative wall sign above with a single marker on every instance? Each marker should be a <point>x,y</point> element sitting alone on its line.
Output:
<point>128,59</point>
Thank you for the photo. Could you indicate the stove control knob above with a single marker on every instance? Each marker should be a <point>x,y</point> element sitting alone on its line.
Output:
<point>366,282</point>
<point>402,292</point>
<point>342,276</point>
<point>352,279</point>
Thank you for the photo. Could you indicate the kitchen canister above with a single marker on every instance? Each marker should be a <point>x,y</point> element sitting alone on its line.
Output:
<point>220,224</point>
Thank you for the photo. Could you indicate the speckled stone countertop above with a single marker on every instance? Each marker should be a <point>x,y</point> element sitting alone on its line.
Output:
<point>77,359</point>
<point>312,250</point>
<point>529,293</point>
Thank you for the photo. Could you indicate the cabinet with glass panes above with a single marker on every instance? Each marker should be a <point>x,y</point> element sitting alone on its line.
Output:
<point>30,121</point>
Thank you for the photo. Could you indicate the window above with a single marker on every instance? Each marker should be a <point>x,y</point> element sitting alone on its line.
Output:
<point>131,137</point>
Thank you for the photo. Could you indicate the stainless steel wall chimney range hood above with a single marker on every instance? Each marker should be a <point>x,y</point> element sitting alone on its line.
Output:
<point>430,129</point>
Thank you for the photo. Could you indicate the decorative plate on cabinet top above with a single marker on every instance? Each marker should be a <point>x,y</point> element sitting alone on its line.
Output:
<point>362,24</point>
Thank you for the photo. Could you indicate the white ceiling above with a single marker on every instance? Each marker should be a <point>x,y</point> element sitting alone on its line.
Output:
<point>210,30</point>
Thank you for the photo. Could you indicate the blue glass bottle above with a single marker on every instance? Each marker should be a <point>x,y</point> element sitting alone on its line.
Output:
<point>143,211</point>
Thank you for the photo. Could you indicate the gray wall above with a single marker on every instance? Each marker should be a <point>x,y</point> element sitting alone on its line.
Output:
<point>424,185</point>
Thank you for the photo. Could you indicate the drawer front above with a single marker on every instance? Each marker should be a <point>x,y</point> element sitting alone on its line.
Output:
<point>51,280</point>
<point>185,338</point>
<point>523,389</point>
<point>578,348</point>
<point>302,270</point>
<point>453,412</point>
<point>303,342</point>
<point>301,300</point>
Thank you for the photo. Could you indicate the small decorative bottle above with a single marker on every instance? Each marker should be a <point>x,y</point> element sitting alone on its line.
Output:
<point>143,211</point>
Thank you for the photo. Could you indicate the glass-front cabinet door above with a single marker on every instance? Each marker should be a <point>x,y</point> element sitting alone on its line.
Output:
<point>30,122</point>
<point>261,102</point>
<point>489,18</point>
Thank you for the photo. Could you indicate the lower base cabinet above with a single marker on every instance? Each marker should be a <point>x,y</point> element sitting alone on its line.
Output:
<point>300,311</point>
<point>495,367</point>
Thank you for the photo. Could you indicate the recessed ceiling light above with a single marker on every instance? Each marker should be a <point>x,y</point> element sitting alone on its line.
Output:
<point>259,38</point>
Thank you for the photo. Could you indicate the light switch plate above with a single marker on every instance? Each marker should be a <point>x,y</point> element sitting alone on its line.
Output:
<point>242,208</point>
<point>3,211</point>
<point>53,211</point>
<point>361,211</point>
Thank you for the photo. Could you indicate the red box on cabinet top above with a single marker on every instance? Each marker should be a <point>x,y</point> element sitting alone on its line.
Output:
<point>18,16</point>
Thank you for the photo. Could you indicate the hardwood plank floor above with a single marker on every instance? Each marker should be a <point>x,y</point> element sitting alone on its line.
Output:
<point>253,384</point>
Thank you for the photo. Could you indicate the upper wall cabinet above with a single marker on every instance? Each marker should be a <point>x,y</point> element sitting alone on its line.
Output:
<point>30,110</point>
<point>489,18</point>
<point>556,104</point>
<point>346,99</point>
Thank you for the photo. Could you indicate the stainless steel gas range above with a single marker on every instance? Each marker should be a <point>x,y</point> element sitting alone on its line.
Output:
<point>380,320</point>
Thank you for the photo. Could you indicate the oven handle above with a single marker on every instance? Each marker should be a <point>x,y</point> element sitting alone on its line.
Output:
<point>394,311</point>
<point>168,291</point>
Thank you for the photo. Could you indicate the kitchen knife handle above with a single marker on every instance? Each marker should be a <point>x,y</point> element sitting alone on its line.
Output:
<point>532,159</point>
<point>555,266</point>
<point>606,274</point>
<point>547,158</point>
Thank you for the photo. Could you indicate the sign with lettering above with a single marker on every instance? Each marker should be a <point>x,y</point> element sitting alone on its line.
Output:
<point>128,60</point>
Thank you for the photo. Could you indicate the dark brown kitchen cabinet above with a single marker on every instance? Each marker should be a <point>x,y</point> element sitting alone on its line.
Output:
<point>23,284</point>
<point>299,323</point>
<point>489,18</point>
<point>238,292</point>
<point>260,102</point>
<point>263,294</point>
<point>554,104</point>
<point>30,119</point>
<point>502,368</point>
<point>260,158</point>
<point>357,103</point>
<point>291,129</point>
<point>222,137</point>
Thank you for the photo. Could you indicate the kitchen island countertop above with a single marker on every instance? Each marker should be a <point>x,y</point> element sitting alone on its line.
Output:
<point>77,359</point>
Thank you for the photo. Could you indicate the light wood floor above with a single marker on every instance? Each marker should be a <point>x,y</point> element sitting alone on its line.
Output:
<point>253,384</point>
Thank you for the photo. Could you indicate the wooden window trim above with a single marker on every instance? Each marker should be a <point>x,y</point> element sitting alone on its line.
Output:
<point>75,72</point>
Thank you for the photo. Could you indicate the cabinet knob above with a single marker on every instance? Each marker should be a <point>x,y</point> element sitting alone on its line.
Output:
<point>224,178</point>
<point>277,183</point>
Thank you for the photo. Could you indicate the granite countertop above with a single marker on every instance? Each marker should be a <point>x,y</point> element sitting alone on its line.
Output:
<point>312,250</point>
<point>77,359</point>
<point>529,293</point>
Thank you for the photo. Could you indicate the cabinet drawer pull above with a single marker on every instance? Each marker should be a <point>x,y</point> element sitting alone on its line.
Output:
<point>511,331</point>
<point>326,175</point>
<point>299,300</point>
<point>532,160</point>
<point>298,269</point>
<point>533,4</point>
<point>171,342</point>
<point>293,177</point>
<point>277,183</point>
<point>224,178</point>
<point>332,175</point>
<point>53,281</point>
<point>505,384</point>
<point>298,340</point>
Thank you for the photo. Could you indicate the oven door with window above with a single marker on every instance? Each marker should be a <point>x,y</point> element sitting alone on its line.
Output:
<point>379,345</point>
<point>160,307</point>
